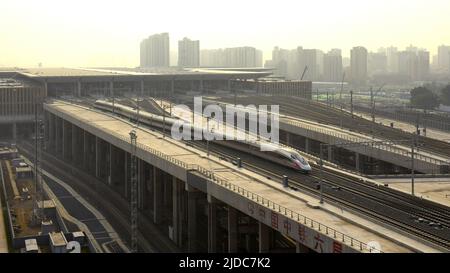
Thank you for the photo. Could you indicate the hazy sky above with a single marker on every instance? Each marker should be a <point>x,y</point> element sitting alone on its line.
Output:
<point>108,33</point>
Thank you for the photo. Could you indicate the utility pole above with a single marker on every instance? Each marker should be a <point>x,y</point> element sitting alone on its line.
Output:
<point>38,182</point>
<point>112,94</point>
<point>351,102</point>
<point>137,112</point>
<point>328,100</point>
<point>164,122</point>
<point>39,171</point>
<point>418,124</point>
<point>37,215</point>
<point>424,122</point>
<point>342,87</point>
<point>372,104</point>
<point>412,164</point>
<point>235,92</point>
<point>134,208</point>
<point>321,174</point>
<point>207,140</point>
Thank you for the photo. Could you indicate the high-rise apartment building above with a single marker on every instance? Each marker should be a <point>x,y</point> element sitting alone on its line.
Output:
<point>308,58</point>
<point>332,66</point>
<point>392,59</point>
<point>358,65</point>
<point>423,64</point>
<point>259,58</point>
<point>444,58</point>
<point>155,51</point>
<point>188,53</point>
<point>407,64</point>
<point>240,56</point>
<point>280,59</point>
<point>377,63</point>
<point>414,64</point>
<point>232,57</point>
<point>212,58</point>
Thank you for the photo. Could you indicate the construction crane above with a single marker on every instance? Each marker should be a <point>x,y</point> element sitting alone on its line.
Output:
<point>304,72</point>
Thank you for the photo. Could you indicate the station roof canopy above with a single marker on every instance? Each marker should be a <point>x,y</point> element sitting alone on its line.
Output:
<point>148,74</point>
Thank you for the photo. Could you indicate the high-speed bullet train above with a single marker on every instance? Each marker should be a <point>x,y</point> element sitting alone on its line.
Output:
<point>269,151</point>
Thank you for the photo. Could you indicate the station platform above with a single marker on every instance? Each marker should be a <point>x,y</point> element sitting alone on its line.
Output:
<point>151,143</point>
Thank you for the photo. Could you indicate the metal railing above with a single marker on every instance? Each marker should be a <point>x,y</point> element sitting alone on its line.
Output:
<point>347,138</point>
<point>295,216</point>
<point>256,198</point>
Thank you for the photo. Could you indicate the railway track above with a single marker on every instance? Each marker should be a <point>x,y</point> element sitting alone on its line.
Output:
<point>113,206</point>
<point>395,209</point>
<point>318,112</point>
<point>424,219</point>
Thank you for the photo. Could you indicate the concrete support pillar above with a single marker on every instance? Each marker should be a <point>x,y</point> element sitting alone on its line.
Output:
<point>357,162</point>
<point>141,183</point>
<point>127,175</point>
<point>14,131</point>
<point>46,132</point>
<point>264,237</point>
<point>45,88</point>
<point>307,145</point>
<point>232,230</point>
<point>257,86</point>
<point>57,135</point>
<point>229,85</point>
<point>176,209</point>
<point>167,192</point>
<point>212,224</point>
<point>85,150</point>
<point>64,139</point>
<point>97,157</point>
<point>74,144</point>
<point>192,218</point>
<point>111,167</point>
<point>157,196</point>
<point>78,148</point>
<point>300,248</point>
<point>79,88</point>
<point>51,132</point>
<point>201,85</point>
<point>111,88</point>
<point>330,153</point>
<point>288,138</point>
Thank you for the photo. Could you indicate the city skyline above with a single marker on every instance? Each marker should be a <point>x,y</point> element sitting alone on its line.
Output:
<point>61,37</point>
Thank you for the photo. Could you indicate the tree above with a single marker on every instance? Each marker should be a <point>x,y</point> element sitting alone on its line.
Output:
<point>423,98</point>
<point>445,95</point>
